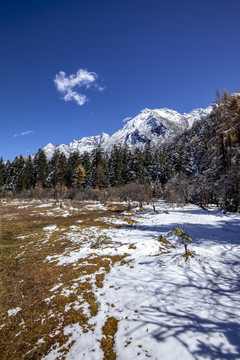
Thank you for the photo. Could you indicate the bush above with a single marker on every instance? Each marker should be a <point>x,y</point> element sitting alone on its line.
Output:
<point>184,239</point>
<point>136,192</point>
<point>177,190</point>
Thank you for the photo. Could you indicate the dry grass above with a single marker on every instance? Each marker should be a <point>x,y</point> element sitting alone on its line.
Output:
<point>132,246</point>
<point>190,254</point>
<point>116,207</point>
<point>130,222</point>
<point>165,245</point>
<point>109,330</point>
<point>29,282</point>
<point>99,280</point>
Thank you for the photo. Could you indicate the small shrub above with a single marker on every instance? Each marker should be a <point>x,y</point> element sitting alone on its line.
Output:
<point>100,240</point>
<point>184,239</point>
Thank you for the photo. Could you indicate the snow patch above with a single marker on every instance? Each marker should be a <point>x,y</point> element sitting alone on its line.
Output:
<point>14,312</point>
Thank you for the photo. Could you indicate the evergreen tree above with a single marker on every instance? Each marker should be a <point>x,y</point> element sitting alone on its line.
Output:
<point>41,169</point>
<point>126,160</point>
<point>26,178</point>
<point>165,170</point>
<point>139,173</point>
<point>147,154</point>
<point>29,176</point>
<point>72,163</point>
<point>99,176</point>
<point>178,158</point>
<point>1,180</point>
<point>8,178</point>
<point>86,163</point>
<point>155,170</point>
<point>189,163</point>
<point>161,169</point>
<point>58,169</point>
<point>116,167</point>
<point>2,173</point>
<point>17,170</point>
<point>100,179</point>
<point>62,171</point>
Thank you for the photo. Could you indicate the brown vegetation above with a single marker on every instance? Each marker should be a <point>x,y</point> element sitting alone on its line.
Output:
<point>50,296</point>
<point>109,330</point>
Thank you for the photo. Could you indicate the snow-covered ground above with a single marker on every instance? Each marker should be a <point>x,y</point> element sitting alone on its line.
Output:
<point>168,308</point>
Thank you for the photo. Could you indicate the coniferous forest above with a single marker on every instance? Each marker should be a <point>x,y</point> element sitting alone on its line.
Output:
<point>201,166</point>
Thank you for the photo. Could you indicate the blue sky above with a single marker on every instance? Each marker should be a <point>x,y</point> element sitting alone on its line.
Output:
<point>72,68</point>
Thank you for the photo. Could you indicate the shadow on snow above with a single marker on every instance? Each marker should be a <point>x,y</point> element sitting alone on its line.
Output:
<point>204,302</point>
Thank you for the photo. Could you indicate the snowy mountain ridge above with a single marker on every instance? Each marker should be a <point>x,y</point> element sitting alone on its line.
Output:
<point>85,144</point>
<point>157,126</point>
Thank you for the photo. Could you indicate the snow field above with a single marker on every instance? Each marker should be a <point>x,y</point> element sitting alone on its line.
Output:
<point>167,307</point>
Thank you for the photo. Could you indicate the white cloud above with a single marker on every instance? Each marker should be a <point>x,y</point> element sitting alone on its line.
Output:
<point>67,85</point>
<point>24,133</point>
<point>127,118</point>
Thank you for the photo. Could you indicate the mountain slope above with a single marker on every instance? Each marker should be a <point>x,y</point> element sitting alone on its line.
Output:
<point>157,126</point>
<point>85,144</point>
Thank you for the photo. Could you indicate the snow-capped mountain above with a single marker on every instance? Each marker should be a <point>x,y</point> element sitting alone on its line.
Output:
<point>157,126</point>
<point>85,144</point>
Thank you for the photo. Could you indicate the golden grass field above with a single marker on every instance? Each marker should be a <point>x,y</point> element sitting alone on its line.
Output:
<point>51,296</point>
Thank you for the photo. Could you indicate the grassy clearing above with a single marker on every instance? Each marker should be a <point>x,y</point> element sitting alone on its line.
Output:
<point>48,296</point>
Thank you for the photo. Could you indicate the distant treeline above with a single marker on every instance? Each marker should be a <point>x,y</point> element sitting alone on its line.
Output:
<point>200,166</point>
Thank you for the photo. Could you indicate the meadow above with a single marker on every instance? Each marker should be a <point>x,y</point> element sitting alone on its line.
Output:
<point>101,281</point>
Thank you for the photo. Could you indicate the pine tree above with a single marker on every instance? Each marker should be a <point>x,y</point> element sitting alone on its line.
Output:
<point>8,178</point>
<point>2,173</point>
<point>29,173</point>
<point>189,164</point>
<point>17,173</point>
<point>100,179</point>
<point>1,180</point>
<point>58,169</point>
<point>139,172</point>
<point>178,158</point>
<point>165,170</point>
<point>126,160</point>
<point>155,171</point>
<point>147,154</point>
<point>116,167</point>
<point>86,163</point>
<point>41,169</point>
<point>26,178</point>
<point>73,161</point>
<point>99,176</point>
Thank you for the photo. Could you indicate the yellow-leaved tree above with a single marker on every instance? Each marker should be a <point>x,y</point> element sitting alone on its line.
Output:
<point>79,177</point>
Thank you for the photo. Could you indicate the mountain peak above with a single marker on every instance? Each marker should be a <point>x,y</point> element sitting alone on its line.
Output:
<point>155,125</point>
<point>146,110</point>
